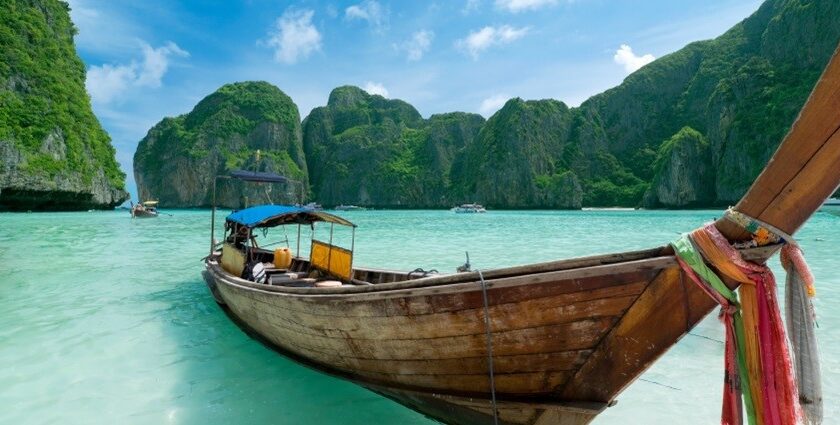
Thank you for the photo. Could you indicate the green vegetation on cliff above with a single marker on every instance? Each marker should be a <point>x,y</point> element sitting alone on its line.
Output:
<point>741,91</point>
<point>520,158</point>
<point>179,158</point>
<point>683,172</point>
<point>365,149</point>
<point>53,146</point>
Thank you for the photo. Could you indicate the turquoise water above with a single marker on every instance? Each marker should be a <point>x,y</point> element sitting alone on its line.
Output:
<point>104,319</point>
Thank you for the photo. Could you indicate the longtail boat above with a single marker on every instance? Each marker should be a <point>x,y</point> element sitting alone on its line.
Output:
<point>147,209</point>
<point>546,343</point>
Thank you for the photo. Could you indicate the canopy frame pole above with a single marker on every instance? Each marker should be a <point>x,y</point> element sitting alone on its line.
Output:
<point>329,253</point>
<point>352,249</point>
<point>213,219</point>
<point>213,215</point>
<point>297,250</point>
<point>311,244</point>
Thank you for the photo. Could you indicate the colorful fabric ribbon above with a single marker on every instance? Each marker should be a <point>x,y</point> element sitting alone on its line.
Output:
<point>801,320</point>
<point>735,373</point>
<point>756,344</point>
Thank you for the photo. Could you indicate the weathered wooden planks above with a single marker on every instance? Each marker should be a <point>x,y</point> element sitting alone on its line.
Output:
<point>408,288</point>
<point>661,315</point>
<point>804,193</point>
<point>470,411</point>
<point>435,340</point>
<point>408,343</point>
<point>422,317</point>
<point>562,360</point>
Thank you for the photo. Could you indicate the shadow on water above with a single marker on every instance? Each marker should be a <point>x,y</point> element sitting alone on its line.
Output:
<point>225,375</point>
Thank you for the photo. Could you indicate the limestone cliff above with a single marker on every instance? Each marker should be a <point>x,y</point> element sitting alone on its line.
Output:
<point>178,160</point>
<point>367,150</point>
<point>521,159</point>
<point>54,154</point>
<point>684,175</point>
<point>741,91</point>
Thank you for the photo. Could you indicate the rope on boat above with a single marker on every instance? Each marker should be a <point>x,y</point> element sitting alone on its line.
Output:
<point>759,364</point>
<point>421,272</point>
<point>763,233</point>
<point>706,337</point>
<point>488,332</point>
<point>659,383</point>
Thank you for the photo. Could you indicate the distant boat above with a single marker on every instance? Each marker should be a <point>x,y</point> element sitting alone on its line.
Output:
<point>349,208</point>
<point>147,209</point>
<point>469,209</point>
<point>312,206</point>
<point>831,206</point>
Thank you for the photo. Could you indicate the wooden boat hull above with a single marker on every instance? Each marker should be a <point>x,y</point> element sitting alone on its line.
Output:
<point>143,214</point>
<point>424,343</point>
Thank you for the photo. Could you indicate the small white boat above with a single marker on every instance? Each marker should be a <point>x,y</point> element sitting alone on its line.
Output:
<point>312,206</point>
<point>831,206</point>
<point>469,209</point>
<point>343,207</point>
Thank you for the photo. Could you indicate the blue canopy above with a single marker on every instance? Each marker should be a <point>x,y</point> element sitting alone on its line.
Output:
<point>278,215</point>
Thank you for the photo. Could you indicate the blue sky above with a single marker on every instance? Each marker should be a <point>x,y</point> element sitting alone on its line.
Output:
<point>155,58</point>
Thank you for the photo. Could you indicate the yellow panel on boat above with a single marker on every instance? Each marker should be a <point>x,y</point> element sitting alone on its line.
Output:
<point>233,260</point>
<point>332,259</point>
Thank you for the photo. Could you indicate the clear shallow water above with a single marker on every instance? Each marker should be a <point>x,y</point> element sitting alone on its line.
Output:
<point>104,319</point>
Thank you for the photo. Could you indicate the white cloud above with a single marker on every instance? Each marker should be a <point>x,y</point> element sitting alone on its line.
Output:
<point>516,6</point>
<point>156,62</point>
<point>492,104</point>
<point>470,6</point>
<point>417,45</point>
<point>478,41</point>
<point>370,11</point>
<point>375,88</point>
<point>105,82</point>
<point>294,37</point>
<point>624,56</point>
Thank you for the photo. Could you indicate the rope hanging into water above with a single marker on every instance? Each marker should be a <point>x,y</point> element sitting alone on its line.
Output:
<point>759,365</point>
<point>489,336</point>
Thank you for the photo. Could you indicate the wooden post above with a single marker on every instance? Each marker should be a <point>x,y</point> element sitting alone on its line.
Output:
<point>329,253</point>
<point>352,250</point>
<point>213,219</point>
